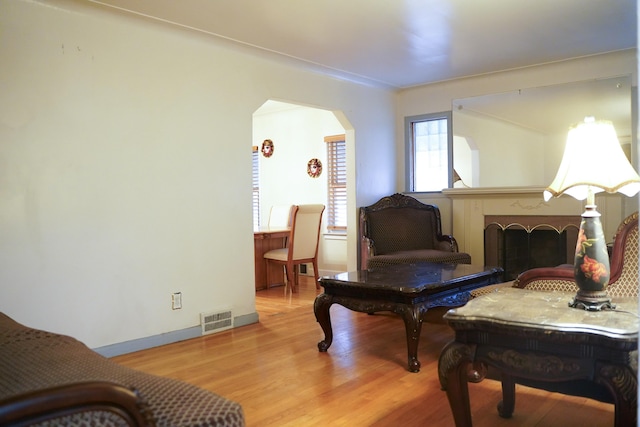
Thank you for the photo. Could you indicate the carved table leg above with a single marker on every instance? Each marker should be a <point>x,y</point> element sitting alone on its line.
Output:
<point>508,402</point>
<point>412,316</point>
<point>622,382</point>
<point>321,309</point>
<point>453,369</point>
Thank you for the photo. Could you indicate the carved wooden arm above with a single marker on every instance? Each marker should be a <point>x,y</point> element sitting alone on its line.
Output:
<point>559,278</point>
<point>367,250</point>
<point>122,405</point>
<point>446,243</point>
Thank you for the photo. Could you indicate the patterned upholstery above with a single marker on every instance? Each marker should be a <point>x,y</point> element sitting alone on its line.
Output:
<point>399,229</point>
<point>489,289</point>
<point>420,255</point>
<point>32,359</point>
<point>624,267</point>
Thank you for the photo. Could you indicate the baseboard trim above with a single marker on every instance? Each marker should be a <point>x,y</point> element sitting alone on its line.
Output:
<point>166,338</point>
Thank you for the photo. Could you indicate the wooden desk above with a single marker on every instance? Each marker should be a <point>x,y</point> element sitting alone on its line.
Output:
<point>265,240</point>
<point>533,338</point>
<point>405,289</point>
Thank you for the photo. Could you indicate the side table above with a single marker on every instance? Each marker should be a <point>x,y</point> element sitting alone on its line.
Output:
<point>534,338</point>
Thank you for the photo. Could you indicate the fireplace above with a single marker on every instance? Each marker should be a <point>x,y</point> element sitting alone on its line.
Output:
<point>518,243</point>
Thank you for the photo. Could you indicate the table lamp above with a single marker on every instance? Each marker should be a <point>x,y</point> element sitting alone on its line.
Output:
<point>593,162</point>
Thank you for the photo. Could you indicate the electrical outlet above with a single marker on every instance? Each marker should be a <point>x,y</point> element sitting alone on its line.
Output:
<point>176,301</point>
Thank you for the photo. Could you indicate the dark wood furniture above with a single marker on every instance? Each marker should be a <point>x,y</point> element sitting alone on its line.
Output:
<point>405,289</point>
<point>399,229</point>
<point>533,338</point>
<point>265,240</point>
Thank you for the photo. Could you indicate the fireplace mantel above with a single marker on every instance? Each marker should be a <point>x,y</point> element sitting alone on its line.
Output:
<point>492,191</point>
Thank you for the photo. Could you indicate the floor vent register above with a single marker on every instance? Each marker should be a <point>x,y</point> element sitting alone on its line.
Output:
<point>216,322</point>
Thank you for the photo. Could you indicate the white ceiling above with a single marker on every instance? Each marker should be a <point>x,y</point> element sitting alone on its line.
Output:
<point>404,43</point>
<point>553,109</point>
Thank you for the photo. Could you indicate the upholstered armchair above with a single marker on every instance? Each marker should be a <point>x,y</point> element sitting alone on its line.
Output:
<point>399,229</point>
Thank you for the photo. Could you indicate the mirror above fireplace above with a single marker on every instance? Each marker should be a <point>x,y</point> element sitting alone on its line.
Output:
<point>517,138</point>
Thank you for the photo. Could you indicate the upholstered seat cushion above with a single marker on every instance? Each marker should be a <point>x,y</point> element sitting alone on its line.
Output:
<point>279,254</point>
<point>419,255</point>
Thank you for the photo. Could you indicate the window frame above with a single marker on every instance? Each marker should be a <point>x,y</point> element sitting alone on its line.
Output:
<point>255,193</point>
<point>410,149</point>
<point>336,182</point>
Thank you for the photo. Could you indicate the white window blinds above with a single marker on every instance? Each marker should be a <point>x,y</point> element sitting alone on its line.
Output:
<point>337,183</point>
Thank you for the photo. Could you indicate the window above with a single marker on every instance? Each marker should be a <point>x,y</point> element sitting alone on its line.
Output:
<point>429,152</point>
<point>337,182</point>
<point>256,187</point>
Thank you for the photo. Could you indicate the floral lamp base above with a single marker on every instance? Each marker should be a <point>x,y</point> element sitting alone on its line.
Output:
<point>591,267</point>
<point>592,304</point>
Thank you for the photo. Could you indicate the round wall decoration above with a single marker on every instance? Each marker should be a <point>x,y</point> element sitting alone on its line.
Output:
<point>267,148</point>
<point>314,168</point>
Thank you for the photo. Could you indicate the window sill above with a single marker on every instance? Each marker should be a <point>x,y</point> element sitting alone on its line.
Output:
<point>335,236</point>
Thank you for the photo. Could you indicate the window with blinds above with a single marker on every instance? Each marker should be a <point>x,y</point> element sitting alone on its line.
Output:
<point>337,182</point>
<point>256,187</point>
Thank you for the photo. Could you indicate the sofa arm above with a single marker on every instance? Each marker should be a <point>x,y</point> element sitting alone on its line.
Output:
<point>559,278</point>
<point>79,403</point>
<point>446,243</point>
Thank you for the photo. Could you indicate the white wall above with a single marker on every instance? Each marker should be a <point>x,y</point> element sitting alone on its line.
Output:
<point>439,97</point>
<point>124,168</point>
<point>298,136</point>
<point>524,149</point>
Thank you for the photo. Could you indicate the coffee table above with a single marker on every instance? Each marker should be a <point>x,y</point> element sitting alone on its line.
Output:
<point>405,289</point>
<point>534,338</point>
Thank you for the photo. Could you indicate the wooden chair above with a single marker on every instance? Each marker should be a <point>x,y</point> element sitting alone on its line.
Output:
<point>280,216</point>
<point>302,244</point>
<point>399,229</point>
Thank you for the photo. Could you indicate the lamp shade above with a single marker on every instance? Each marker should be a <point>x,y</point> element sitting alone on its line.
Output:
<point>593,161</point>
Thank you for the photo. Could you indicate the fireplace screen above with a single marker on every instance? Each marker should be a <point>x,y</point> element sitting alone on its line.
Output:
<point>518,245</point>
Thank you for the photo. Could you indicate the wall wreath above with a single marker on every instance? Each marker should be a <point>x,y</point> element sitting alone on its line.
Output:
<point>267,148</point>
<point>314,168</point>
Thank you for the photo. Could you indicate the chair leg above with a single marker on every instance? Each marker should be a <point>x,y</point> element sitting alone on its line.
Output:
<point>285,275</point>
<point>290,275</point>
<point>266,268</point>
<point>315,272</point>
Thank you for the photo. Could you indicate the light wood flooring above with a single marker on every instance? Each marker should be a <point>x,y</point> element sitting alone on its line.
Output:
<point>275,371</point>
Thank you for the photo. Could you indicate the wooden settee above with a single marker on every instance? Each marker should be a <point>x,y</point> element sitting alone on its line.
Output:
<point>399,229</point>
<point>52,379</point>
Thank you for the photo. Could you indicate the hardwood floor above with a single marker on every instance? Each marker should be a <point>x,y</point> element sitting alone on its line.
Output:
<point>274,369</point>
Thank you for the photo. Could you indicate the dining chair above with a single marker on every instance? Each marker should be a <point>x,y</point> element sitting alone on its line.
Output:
<point>302,244</point>
<point>280,216</point>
